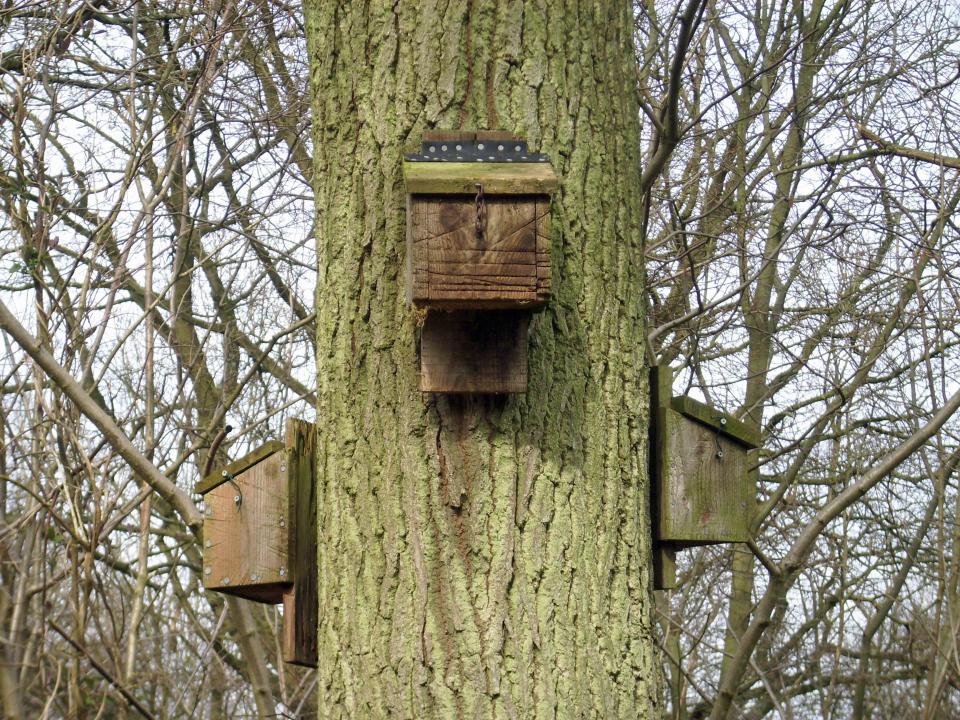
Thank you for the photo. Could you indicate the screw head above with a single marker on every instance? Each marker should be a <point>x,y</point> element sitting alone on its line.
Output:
<point>723,421</point>
<point>208,543</point>
<point>225,580</point>
<point>207,571</point>
<point>283,571</point>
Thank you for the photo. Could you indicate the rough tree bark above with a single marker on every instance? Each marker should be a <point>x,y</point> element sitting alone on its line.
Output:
<point>485,556</point>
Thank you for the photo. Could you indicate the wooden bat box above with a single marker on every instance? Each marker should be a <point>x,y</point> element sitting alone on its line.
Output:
<point>478,248</point>
<point>260,533</point>
<point>702,490</point>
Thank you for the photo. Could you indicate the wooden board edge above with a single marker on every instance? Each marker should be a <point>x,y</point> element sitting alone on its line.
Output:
<point>664,567</point>
<point>461,178</point>
<point>719,421</point>
<point>216,479</point>
<point>300,603</point>
<point>441,135</point>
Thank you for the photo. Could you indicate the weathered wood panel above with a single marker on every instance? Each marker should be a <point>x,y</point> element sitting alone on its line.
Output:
<point>496,177</point>
<point>246,549</point>
<point>664,554</point>
<point>300,601</point>
<point>726,424</point>
<point>474,352</point>
<point>216,478</point>
<point>705,495</point>
<point>452,267</point>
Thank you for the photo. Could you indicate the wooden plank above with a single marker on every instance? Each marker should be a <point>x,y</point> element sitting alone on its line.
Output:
<point>441,135</point>
<point>706,495</point>
<point>300,603</point>
<point>451,267</point>
<point>496,135</point>
<point>474,352</point>
<point>505,178</point>
<point>237,466</point>
<point>726,424</point>
<point>661,386</point>
<point>543,248</point>
<point>246,548</point>
<point>664,567</point>
<point>664,555</point>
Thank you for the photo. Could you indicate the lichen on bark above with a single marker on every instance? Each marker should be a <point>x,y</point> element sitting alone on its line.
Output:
<point>481,556</point>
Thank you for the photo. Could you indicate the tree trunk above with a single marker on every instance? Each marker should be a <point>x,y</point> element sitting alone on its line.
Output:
<point>484,556</point>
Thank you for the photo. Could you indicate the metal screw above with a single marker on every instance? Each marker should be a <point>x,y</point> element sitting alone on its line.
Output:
<point>208,510</point>
<point>254,577</point>
<point>225,580</point>
<point>283,571</point>
<point>207,571</point>
<point>283,523</point>
<point>480,146</point>
<point>723,421</point>
<point>208,543</point>
<point>283,468</point>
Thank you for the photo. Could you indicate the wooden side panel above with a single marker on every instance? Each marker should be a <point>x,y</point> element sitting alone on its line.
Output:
<point>509,266</point>
<point>664,566</point>
<point>706,495</point>
<point>300,606</point>
<point>664,554</point>
<point>246,549</point>
<point>543,248</point>
<point>474,352</point>
<point>216,478</point>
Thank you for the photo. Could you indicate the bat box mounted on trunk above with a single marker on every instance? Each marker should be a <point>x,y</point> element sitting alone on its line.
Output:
<point>260,534</point>
<point>703,492</point>
<point>478,256</point>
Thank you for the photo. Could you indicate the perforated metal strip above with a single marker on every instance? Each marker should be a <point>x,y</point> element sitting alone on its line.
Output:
<point>476,151</point>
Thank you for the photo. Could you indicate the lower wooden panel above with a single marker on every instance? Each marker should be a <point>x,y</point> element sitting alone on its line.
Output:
<point>300,605</point>
<point>246,540</point>
<point>474,352</point>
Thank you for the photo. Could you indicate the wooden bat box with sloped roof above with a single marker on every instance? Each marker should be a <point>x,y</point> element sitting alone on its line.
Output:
<point>478,256</point>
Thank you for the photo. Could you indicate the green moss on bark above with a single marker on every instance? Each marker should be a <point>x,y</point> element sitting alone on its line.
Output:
<point>481,557</point>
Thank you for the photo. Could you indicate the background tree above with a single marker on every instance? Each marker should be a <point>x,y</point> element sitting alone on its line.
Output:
<point>802,273</point>
<point>155,225</point>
